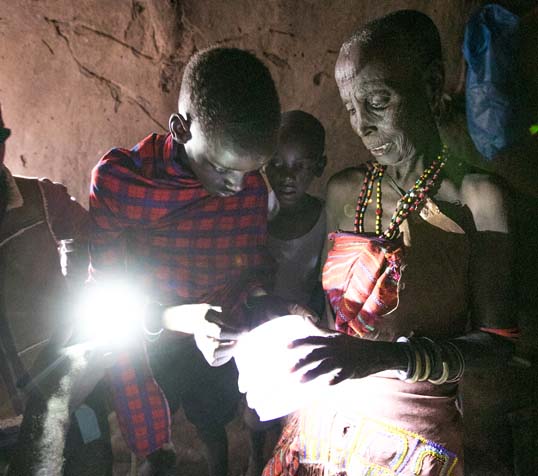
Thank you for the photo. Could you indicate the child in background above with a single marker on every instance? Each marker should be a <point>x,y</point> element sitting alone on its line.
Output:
<point>297,225</point>
<point>296,235</point>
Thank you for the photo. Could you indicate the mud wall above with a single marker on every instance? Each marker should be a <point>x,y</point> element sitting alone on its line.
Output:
<point>77,78</point>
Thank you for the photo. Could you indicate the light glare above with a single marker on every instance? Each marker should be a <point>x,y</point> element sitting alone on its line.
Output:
<point>111,314</point>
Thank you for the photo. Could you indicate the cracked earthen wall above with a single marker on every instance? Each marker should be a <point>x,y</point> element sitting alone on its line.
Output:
<point>80,77</point>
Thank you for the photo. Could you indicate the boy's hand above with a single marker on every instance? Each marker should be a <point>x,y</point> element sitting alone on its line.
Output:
<point>215,339</point>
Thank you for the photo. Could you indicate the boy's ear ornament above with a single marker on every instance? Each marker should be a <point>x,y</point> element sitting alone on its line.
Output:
<point>180,128</point>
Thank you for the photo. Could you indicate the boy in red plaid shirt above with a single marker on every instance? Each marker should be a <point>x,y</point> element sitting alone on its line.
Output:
<point>185,214</point>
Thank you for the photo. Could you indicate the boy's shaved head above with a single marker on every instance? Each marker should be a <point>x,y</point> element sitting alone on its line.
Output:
<point>301,124</point>
<point>233,97</point>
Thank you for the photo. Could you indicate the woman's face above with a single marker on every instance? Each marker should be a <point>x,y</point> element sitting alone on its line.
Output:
<point>387,104</point>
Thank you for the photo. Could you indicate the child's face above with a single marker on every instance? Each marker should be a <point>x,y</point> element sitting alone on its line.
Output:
<point>292,169</point>
<point>220,168</point>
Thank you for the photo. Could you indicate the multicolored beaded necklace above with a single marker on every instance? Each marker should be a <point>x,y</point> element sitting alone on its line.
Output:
<point>407,204</point>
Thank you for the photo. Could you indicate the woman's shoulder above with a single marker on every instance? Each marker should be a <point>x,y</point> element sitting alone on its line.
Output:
<point>484,194</point>
<point>342,183</point>
<point>347,176</point>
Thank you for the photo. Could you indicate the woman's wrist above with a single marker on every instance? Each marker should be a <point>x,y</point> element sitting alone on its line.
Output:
<point>436,362</point>
<point>393,356</point>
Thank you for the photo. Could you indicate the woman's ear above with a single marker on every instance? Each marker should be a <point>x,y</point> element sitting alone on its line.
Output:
<point>180,128</point>
<point>434,81</point>
<point>320,166</point>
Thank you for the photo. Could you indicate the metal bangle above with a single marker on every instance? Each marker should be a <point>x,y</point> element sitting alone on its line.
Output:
<point>427,365</point>
<point>434,352</point>
<point>425,359</point>
<point>404,375</point>
<point>418,364</point>
<point>150,335</point>
<point>461,363</point>
<point>444,376</point>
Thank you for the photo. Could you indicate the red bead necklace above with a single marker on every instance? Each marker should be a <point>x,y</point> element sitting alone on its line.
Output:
<point>407,204</point>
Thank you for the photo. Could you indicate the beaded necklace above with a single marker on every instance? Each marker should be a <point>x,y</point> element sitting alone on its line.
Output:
<point>407,204</point>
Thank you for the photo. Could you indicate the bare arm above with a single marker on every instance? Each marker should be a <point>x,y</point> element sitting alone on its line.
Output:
<point>491,277</point>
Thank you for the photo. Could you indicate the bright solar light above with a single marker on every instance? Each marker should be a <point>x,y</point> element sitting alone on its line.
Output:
<point>111,314</point>
<point>265,361</point>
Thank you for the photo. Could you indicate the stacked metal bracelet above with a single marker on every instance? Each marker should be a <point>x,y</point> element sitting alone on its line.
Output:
<point>436,362</point>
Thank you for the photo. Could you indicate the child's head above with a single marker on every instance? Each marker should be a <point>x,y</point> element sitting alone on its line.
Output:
<point>228,117</point>
<point>299,157</point>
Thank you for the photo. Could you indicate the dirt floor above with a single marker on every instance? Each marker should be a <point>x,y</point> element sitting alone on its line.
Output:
<point>189,450</point>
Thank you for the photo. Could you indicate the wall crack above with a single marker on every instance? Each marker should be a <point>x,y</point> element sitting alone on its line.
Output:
<point>116,90</point>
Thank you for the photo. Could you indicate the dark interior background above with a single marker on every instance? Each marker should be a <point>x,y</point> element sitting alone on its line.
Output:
<point>77,78</point>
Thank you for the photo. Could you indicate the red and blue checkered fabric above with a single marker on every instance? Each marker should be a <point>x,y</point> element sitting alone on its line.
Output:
<point>152,218</point>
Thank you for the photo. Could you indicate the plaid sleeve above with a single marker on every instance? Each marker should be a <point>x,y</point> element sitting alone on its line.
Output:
<point>108,222</point>
<point>261,275</point>
<point>140,404</point>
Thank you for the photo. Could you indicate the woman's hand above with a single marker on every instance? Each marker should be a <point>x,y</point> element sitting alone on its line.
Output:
<point>355,357</point>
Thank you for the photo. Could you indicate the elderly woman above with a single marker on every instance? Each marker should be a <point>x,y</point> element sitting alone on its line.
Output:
<point>419,286</point>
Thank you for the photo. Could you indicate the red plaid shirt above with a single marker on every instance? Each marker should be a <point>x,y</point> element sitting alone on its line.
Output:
<point>152,218</point>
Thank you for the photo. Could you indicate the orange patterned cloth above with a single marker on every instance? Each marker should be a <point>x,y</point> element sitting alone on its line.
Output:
<point>361,278</point>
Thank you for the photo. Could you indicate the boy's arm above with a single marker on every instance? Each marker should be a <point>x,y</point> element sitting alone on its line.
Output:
<point>108,221</point>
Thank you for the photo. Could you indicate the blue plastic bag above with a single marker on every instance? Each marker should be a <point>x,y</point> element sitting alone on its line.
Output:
<point>494,106</point>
